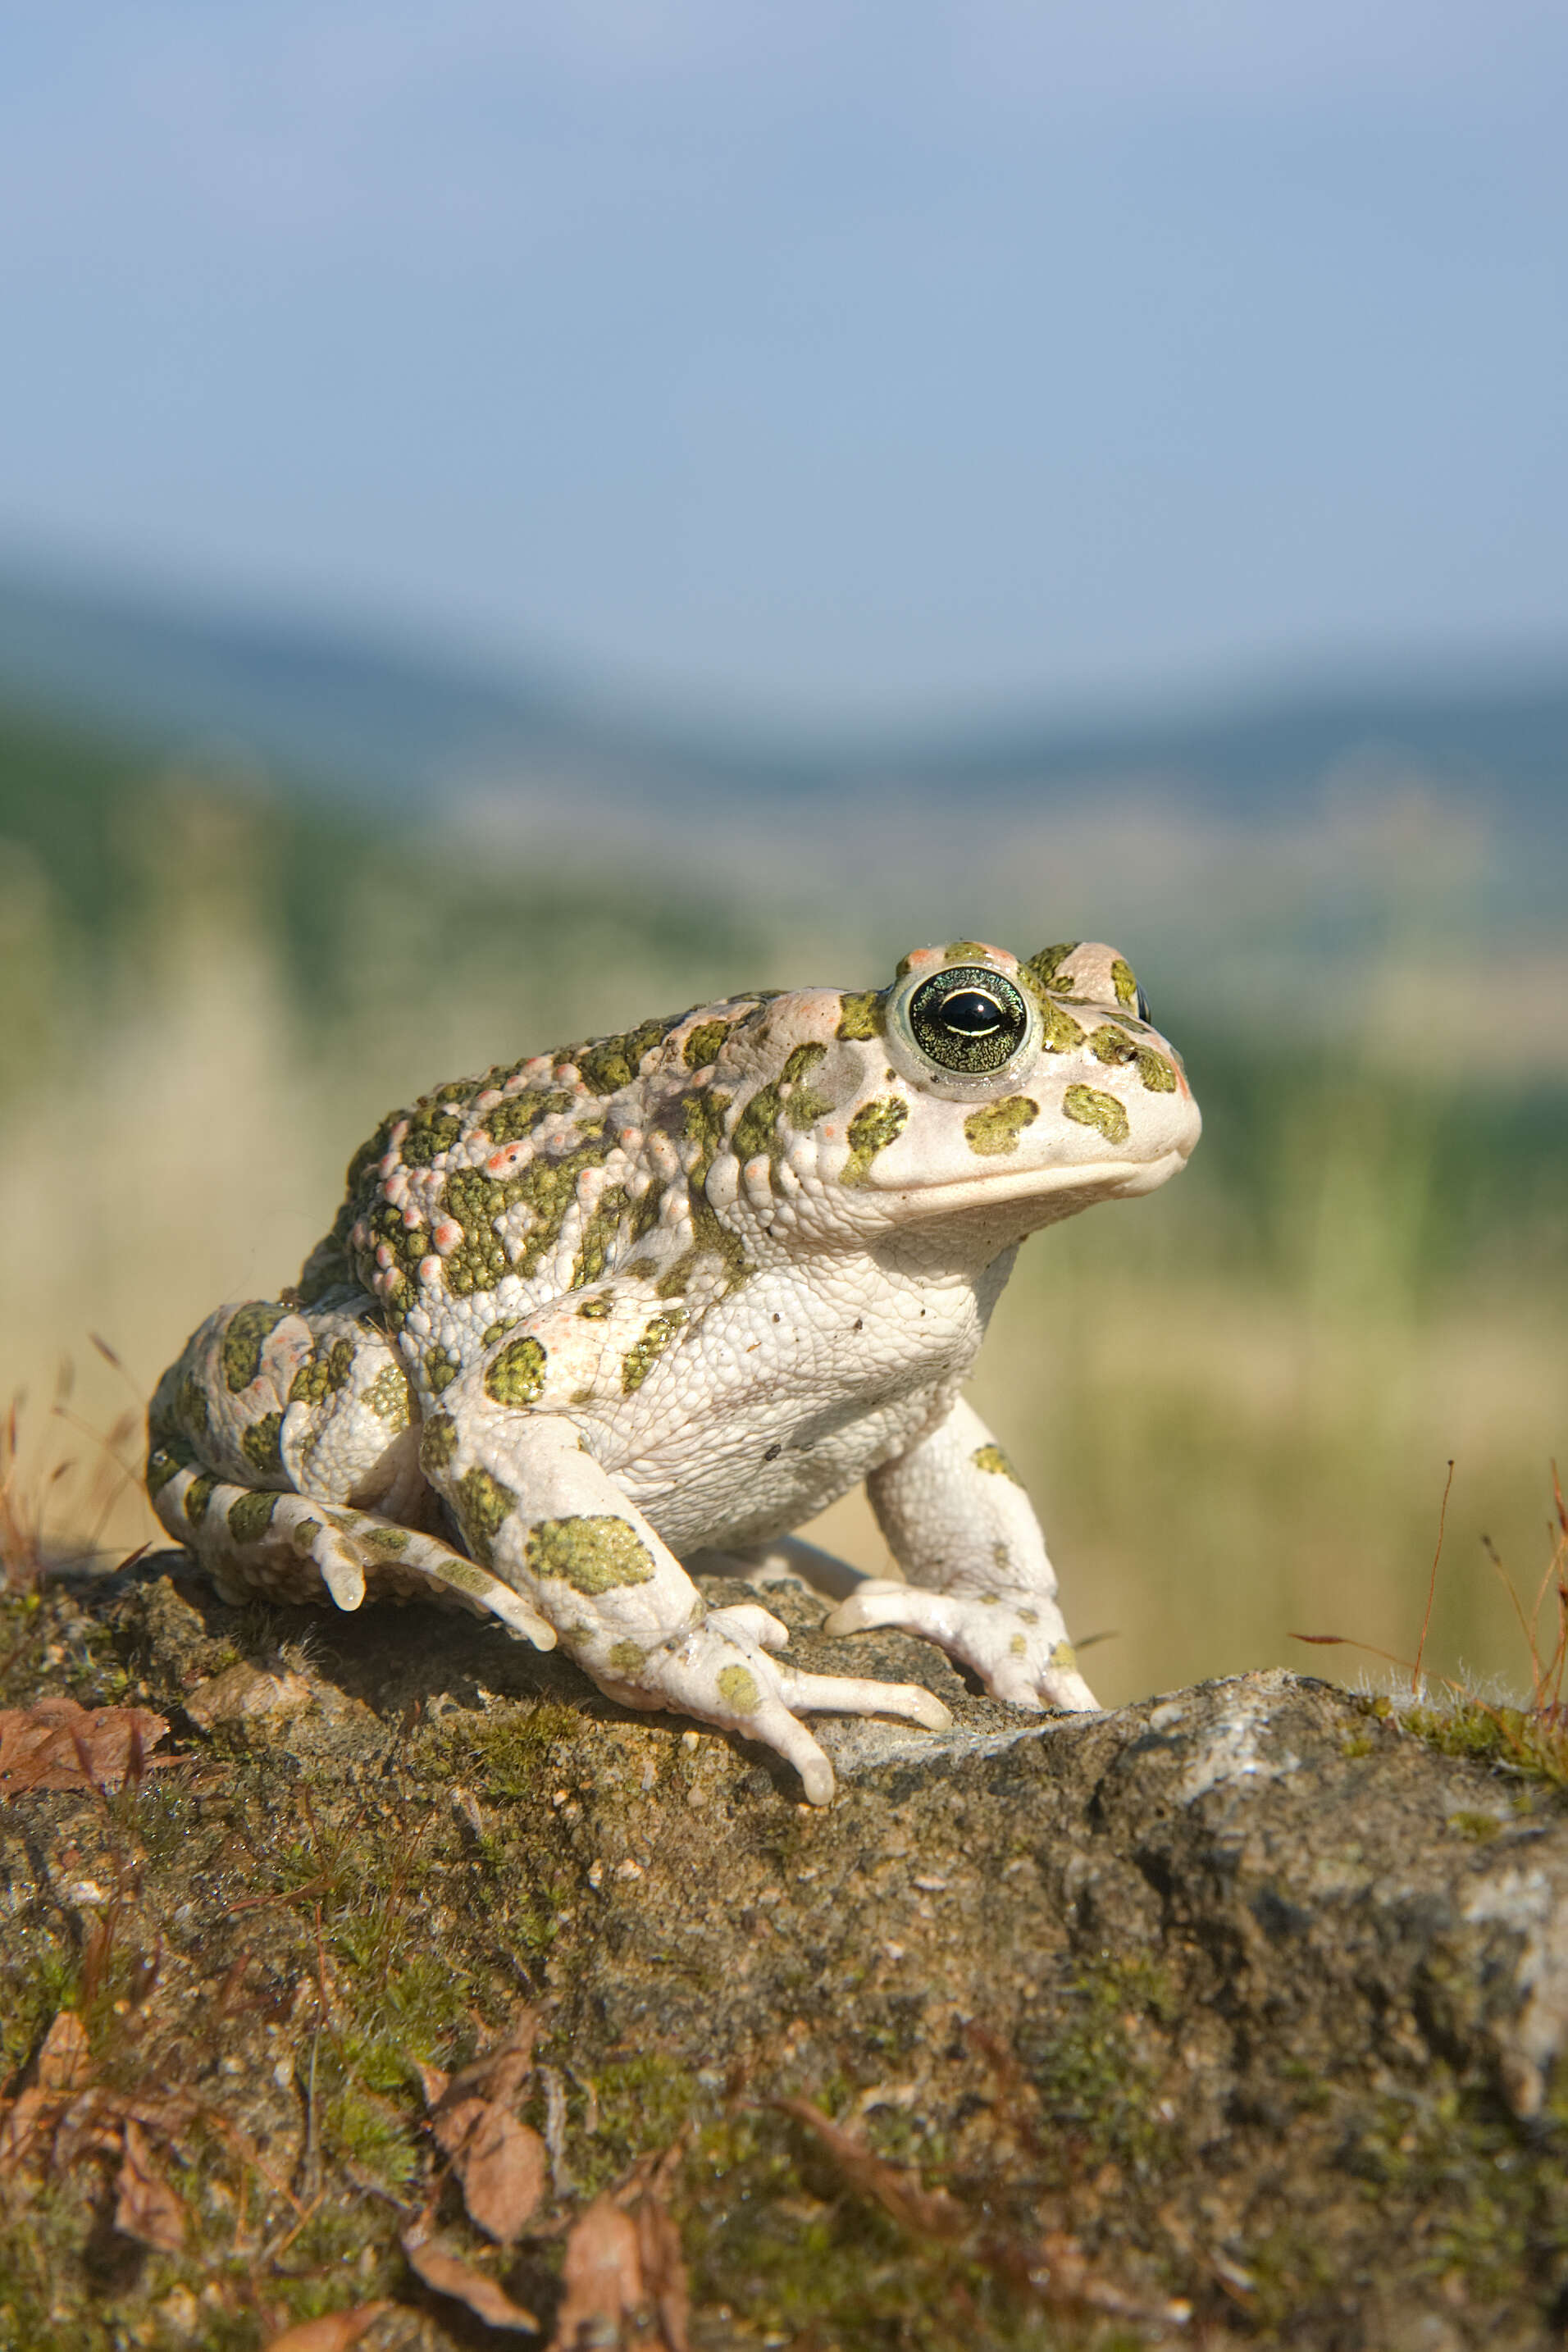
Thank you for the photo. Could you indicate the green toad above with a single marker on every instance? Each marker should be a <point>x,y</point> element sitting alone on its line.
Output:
<point>669,1293</point>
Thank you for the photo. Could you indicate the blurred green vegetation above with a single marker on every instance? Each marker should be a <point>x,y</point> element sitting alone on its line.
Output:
<point>1234,1403</point>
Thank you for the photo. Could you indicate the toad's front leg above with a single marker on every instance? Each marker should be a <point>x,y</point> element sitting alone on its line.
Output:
<point>540,1513</point>
<point>980,1582</point>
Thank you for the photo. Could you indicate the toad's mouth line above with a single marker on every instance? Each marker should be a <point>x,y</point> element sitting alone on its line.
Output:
<point>993,1186</point>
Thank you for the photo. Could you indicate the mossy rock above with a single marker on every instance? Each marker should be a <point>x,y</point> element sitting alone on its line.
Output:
<point>1245,1999</point>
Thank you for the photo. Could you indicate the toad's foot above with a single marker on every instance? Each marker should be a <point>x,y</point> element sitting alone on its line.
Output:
<point>1020,1649</point>
<point>721,1672</point>
<point>294,1547</point>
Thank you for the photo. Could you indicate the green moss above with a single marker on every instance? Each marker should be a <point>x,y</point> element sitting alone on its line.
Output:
<point>1098,2076</point>
<point>1526,1742</point>
<point>366,2133</point>
<point>644,2102</point>
<point>507,1750</point>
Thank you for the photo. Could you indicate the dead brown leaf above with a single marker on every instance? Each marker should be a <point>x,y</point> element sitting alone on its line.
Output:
<point>24,2125</point>
<point>55,1744</point>
<point>602,2278</point>
<point>63,2061</point>
<point>448,2275</point>
<point>335,2332</point>
<point>145,2207</point>
<point>896,2188</point>
<point>500,2163</point>
<point>664,2271</point>
<point>246,1690</point>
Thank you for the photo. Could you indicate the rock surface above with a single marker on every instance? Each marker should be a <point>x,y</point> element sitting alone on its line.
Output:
<point>1229,2017</point>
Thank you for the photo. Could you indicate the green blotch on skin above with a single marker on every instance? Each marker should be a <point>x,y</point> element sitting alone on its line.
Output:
<point>1092,1108</point>
<point>737,1686</point>
<point>1059,1033</point>
<point>247,1330</point>
<point>967,951</point>
<point>439,1446</point>
<point>600,1228</point>
<point>997,1128</point>
<point>1018,1647</point>
<point>872,1129</point>
<point>595,1310</point>
<point>463,1575</point>
<point>1064,1658</point>
<point>260,1443</point>
<point>483,1505</point>
<point>756,1130</point>
<point>305,1534</point>
<point>644,1213</point>
<point>547,1187</point>
<point>1110,1045</point>
<point>862,1016</point>
<point>612,1063</point>
<point>1044,968</point>
<point>198,1495</point>
<point>322,1376</point>
<point>441,1369</point>
<point>510,1120</point>
<point>703,1123</point>
<point>703,1044</point>
<point>1155,1072</point>
<point>251,1516</point>
<point>1124,981</point>
<point>164,1463</point>
<point>516,1377</point>
<point>388,1398</point>
<point>191,1405</point>
<point>387,1543</point>
<point>627,1656</point>
<point>671,1283</point>
<point>432,1131</point>
<point>592,1553</point>
<point>644,1353</point>
<point>991,1458</point>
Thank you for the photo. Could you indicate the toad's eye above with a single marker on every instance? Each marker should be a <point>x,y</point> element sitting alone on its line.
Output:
<point>968,1019</point>
<point>1142,1004</point>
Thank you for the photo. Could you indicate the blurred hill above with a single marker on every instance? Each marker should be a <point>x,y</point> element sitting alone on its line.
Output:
<point>394,718</point>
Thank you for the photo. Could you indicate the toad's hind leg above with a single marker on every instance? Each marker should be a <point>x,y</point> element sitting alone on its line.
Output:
<point>283,1454</point>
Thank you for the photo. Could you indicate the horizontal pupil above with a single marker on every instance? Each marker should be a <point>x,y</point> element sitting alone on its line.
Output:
<point>971,1015</point>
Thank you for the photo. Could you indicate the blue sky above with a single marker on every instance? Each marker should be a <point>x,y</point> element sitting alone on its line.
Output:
<point>808,360</point>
